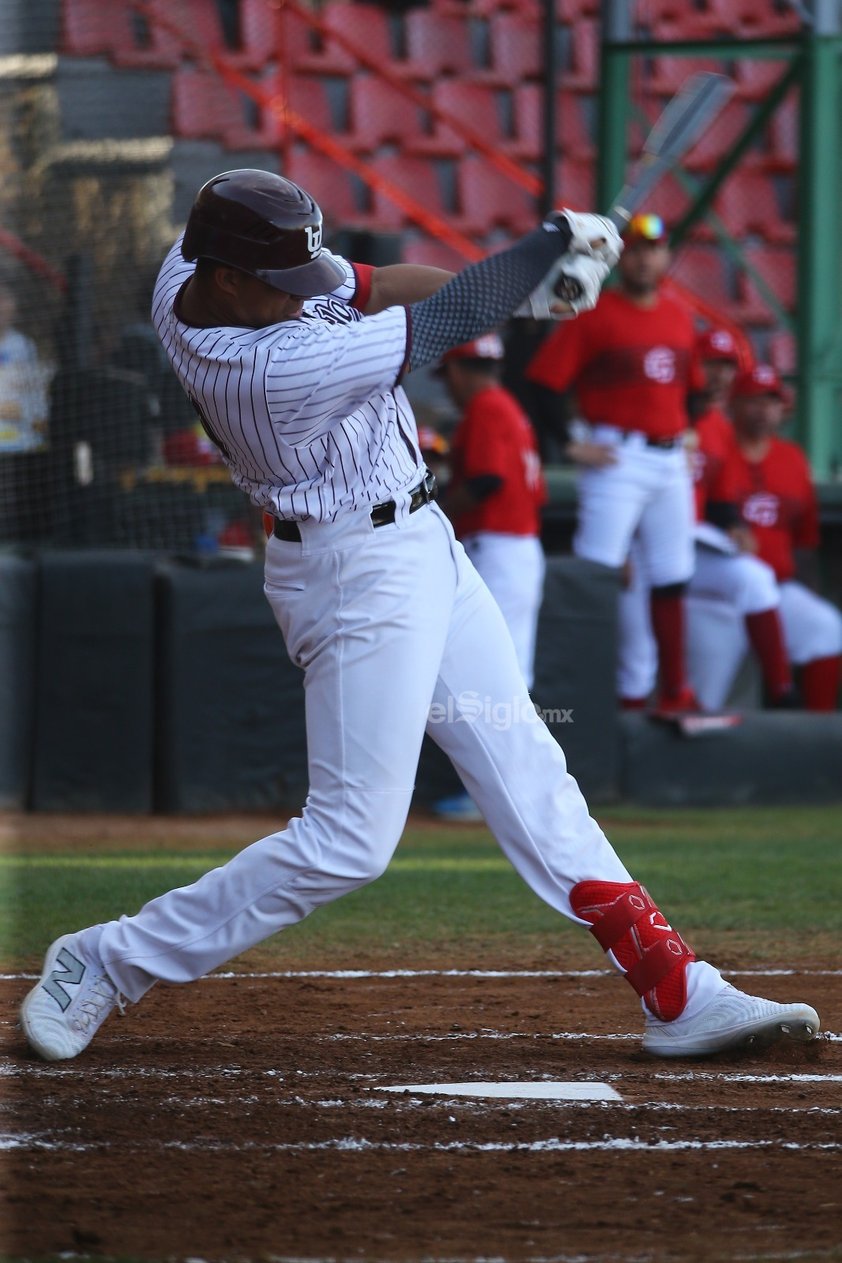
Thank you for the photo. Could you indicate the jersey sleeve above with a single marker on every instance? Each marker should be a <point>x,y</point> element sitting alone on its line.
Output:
<point>320,372</point>
<point>363,276</point>
<point>347,289</point>
<point>561,357</point>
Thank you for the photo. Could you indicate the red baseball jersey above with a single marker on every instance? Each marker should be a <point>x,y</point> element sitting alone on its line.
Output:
<point>713,470</point>
<point>777,500</point>
<point>631,366</point>
<point>495,436</point>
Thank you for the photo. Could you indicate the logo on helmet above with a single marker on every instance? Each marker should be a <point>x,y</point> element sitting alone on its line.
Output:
<point>314,239</point>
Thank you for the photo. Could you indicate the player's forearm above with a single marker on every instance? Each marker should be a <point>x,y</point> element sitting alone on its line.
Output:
<point>485,294</point>
<point>401,284</point>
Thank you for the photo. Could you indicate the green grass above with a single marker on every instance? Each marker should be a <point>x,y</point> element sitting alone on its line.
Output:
<point>754,882</point>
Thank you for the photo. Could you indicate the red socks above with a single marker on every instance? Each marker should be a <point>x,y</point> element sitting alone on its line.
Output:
<point>767,641</point>
<point>820,683</point>
<point>668,628</point>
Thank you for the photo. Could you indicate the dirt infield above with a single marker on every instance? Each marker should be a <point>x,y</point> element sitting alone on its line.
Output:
<point>244,1118</point>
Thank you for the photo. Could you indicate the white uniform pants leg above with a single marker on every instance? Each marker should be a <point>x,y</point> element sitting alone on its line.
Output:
<point>812,626</point>
<point>366,613</point>
<point>512,567</point>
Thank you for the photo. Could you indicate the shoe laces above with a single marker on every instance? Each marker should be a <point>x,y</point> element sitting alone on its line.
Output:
<point>99,1000</point>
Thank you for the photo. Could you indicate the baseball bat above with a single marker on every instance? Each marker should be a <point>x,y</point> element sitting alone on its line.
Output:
<point>681,123</point>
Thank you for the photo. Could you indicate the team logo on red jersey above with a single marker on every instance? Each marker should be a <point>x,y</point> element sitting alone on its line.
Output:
<point>761,509</point>
<point>659,364</point>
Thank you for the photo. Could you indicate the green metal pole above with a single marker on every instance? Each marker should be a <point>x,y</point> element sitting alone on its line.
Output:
<point>819,421</point>
<point>613,101</point>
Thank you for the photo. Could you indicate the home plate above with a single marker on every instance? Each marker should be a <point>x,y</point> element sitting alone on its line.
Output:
<point>546,1091</point>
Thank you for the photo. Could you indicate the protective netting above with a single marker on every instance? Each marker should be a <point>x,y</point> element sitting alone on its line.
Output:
<point>113,112</point>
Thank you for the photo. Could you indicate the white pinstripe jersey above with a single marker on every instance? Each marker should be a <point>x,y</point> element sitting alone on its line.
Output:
<point>306,413</point>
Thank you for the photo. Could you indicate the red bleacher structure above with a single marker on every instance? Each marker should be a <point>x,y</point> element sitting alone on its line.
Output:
<point>350,70</point>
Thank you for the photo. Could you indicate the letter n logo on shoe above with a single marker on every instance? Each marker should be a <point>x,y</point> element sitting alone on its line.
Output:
<point>72,972</point>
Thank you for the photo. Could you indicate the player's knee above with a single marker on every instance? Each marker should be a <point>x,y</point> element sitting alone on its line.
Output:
<point>759,588</point>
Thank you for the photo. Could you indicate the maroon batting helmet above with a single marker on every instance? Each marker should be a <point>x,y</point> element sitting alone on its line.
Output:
<point>265,225</point>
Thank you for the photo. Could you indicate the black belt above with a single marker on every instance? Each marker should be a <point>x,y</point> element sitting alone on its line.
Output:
<point>677,440</point>
<point>381,514</point>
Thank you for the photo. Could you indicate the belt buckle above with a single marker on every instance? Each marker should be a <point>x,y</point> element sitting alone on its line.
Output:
<point>429,487</point>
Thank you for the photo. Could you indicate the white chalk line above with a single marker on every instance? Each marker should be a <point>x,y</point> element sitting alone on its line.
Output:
<point>351,1144</point>
<point>359,974</point>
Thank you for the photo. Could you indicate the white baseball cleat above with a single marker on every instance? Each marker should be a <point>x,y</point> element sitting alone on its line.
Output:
<point>733,1020</point>
<point>66,1008</point>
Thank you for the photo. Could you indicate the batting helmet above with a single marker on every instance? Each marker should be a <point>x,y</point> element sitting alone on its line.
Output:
<point>265,225</point>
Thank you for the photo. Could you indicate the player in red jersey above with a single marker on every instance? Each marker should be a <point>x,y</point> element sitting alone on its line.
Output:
<point>777,499</point>
<point>730,587</point>
<point>494,498</point>
<point>630,362</point>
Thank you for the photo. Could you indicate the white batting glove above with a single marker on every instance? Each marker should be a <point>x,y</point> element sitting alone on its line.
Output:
<point>594,235</point>
<point>570,287</point>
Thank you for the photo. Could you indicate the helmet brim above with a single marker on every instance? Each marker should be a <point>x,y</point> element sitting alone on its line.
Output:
<point>319,276</point>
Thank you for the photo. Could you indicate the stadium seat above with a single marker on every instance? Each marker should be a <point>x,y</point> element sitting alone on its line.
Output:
<point>365,26</point>
<point>92,28</point>
<point>766,17</point>
<point>334,188</point>
<point>783,352</point>
<point>379,113</point>
<point>203,106</point>
<point>436,44</point>
<point>755,78</point>
<point>703,270</point>
<point>748,203</point>
<point>575,184</point>
<point>516,49</point>
<point>583,71</point>
<point>478,106</point>
<point>573,137</point>
<point>719,138</point>
<point>419,178</point>
<point>670,71</point>
<point>488,199</point>
<point>432,253</point>
<point>305,95</point>
<point>777,267</point>
<point>784,135</point>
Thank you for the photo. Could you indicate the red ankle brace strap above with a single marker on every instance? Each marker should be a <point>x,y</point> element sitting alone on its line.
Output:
<point>626,922</point>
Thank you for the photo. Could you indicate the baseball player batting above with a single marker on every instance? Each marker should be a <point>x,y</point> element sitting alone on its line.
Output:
<point>293,358</point>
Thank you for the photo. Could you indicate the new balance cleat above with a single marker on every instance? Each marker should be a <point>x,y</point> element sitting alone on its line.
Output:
<point>732,1021</point>
<point>66,1008</point>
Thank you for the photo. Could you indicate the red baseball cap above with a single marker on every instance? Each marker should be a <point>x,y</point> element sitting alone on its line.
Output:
<point>718,344</point>
<point>760,380</point>
<point>487,347</point>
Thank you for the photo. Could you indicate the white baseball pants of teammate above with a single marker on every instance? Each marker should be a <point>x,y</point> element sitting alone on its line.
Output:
<point>396,633</point>
<point>648,492</point>
<point>512,568</point>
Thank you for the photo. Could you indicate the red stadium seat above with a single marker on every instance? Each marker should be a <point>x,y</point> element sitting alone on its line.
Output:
<point>784,135</point>
<point>331,185</point>
<point>366,26</point>
<point>573,137</point>
<point>756,78</point>
<point>783,352</point>
<point>305,95</point>
<point>575,184</point>
<point>379,113</point>
<point>477,106</point>
<point>488,199</point>
<point>718,139</point>
<point>419,178</point>
<point>702,270</point>
<point>516,48</point>
<point>436,44</point>
<point>92,28</point>
<point>583,71</point>
<point>748,203</point>
<point>777,267</point>
<point>203,106</point>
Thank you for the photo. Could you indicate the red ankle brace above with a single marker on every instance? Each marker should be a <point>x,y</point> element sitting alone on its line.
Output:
<point>625,921</point>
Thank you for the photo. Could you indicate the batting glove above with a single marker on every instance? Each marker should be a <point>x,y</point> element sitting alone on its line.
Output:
<point>594,235</point>
<point>570,287</point>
